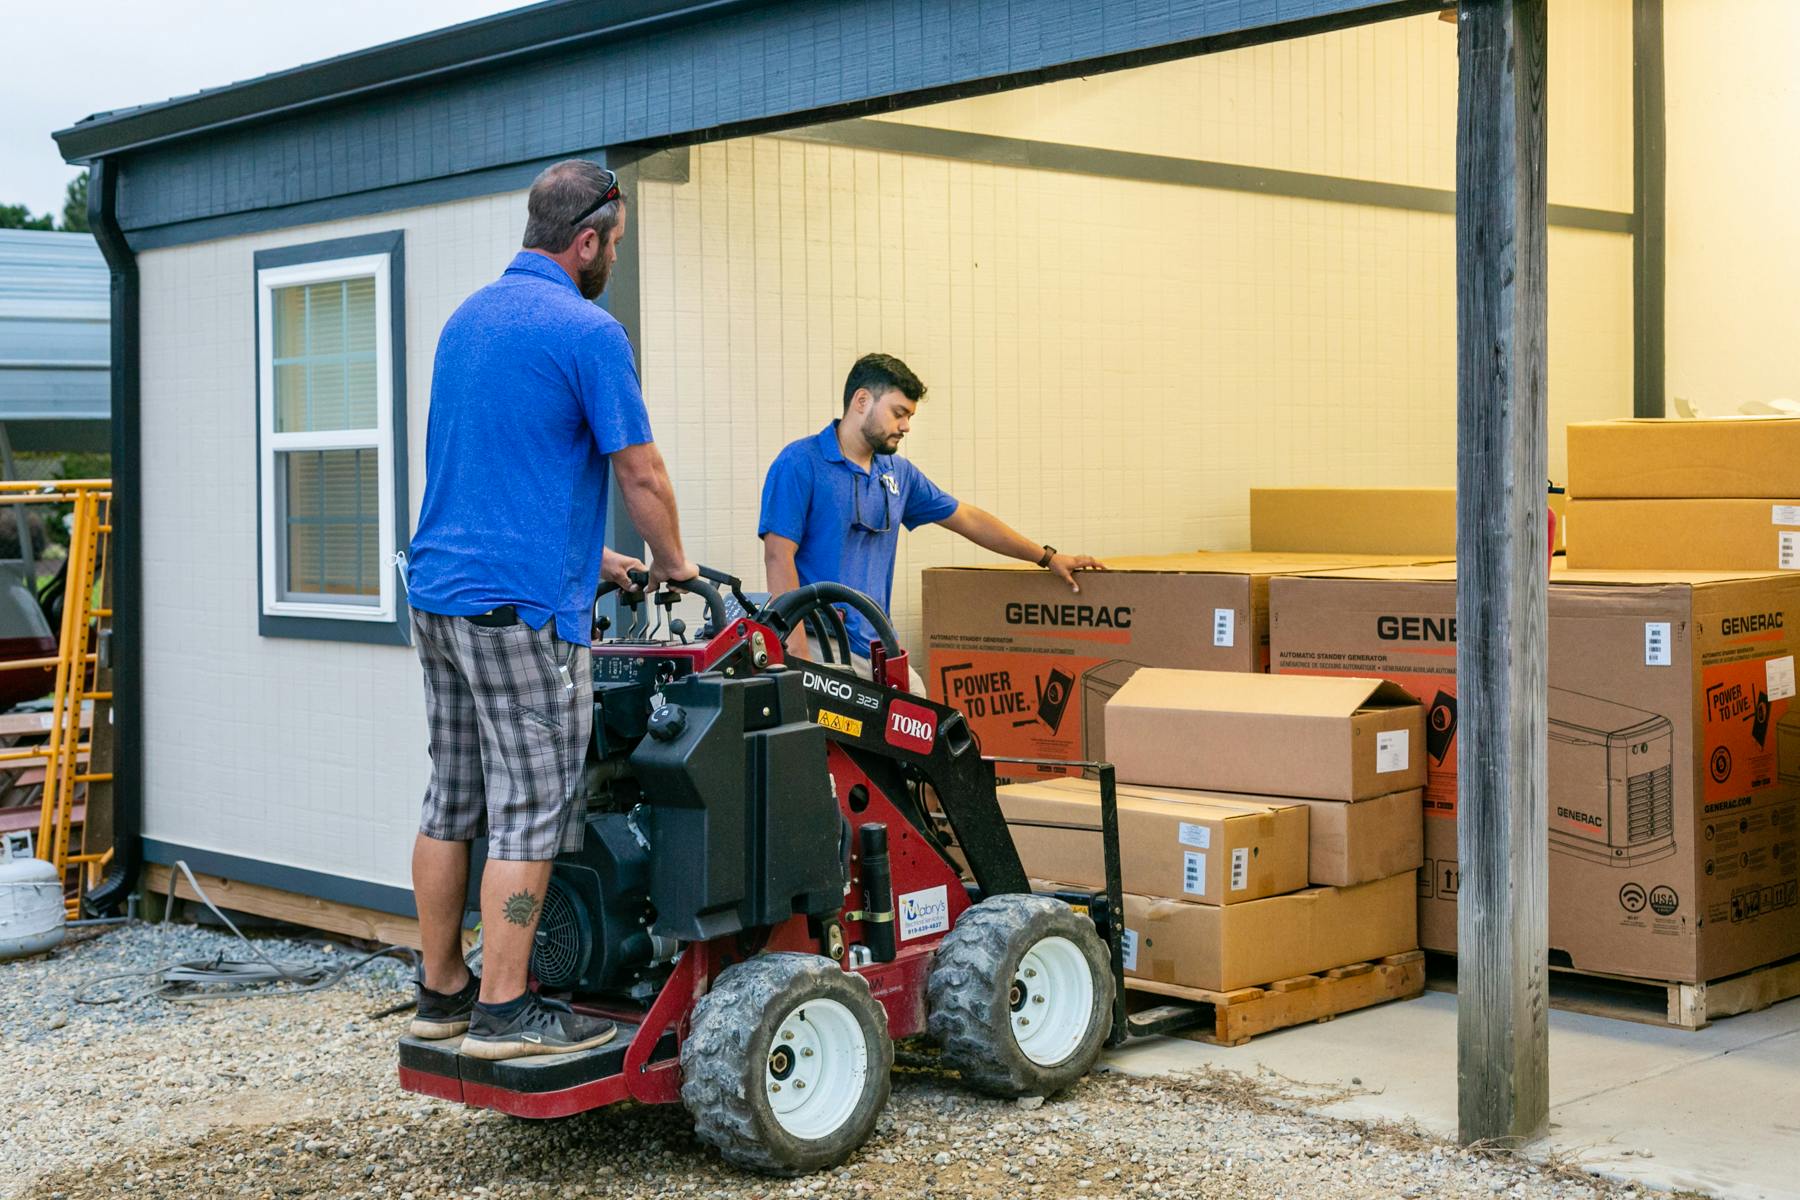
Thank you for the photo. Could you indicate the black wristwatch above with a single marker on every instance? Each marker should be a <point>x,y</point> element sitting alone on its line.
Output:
<point>1049,553</point>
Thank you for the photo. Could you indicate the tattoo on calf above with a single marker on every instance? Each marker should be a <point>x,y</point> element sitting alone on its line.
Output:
<point>521,907</point>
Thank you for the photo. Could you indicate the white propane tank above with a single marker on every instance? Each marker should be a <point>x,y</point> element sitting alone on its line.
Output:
<point>31,907</point>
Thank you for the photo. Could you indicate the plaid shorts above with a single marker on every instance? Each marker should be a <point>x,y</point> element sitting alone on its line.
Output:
<point>510,709</point>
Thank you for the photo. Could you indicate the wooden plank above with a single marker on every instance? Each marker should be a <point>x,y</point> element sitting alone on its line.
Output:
<point>1502,603</point>
<point>1663,1003</point>
<point>1752,991</point>
<point>1241,1015</point>
<point>13,820</point>
<point>310,911</point>
<point>21,724</point>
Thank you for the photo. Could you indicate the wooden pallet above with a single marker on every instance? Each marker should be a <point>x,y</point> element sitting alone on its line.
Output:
<point>1654,1001</point>
<point>1241,1015</point>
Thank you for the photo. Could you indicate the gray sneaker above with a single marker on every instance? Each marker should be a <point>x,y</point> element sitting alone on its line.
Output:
<point>445,1014</point>
<point>541,1027</point>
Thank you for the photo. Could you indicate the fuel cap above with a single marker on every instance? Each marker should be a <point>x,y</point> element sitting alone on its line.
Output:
<point>668,722</point>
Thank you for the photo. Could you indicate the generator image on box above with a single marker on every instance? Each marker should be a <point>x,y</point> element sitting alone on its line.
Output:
<point>1612,780</point>
<point>1787,747</point>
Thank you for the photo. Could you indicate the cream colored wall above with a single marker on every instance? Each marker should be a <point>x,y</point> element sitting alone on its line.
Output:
<point>307,754</point>
<point>1733,276</point>
<point>1114,364</point>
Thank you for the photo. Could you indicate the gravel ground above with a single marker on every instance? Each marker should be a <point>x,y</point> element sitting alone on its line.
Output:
<point>297,1097</point>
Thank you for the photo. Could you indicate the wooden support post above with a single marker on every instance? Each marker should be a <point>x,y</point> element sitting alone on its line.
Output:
<point>1501,597</point>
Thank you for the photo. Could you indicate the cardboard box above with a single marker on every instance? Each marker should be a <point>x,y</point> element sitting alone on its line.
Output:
<point>1221,948</point>
<point>1170,843</point>
<point>1030,664</point>
<point>1352,843</point>
<point>1416,521</point>
<point>1685,535</point>
<point>1716,457</point>
<point>1354,520</point>
<point>1671,814</point>
<point>1342,739</point>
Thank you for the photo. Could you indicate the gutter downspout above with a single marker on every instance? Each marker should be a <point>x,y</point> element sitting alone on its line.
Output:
<point>121,879</point>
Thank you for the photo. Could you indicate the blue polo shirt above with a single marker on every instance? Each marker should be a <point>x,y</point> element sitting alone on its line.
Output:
<point>533,386</point>
<point>812,496</point>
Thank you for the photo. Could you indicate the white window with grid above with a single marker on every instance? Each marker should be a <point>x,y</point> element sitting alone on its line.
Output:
<point>325,401</point>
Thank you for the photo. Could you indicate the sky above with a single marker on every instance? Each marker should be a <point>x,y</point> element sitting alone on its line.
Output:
<point>62,62</point>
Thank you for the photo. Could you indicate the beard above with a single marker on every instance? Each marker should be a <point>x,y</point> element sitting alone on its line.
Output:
<point>594,277</point>
<point>879,442</point>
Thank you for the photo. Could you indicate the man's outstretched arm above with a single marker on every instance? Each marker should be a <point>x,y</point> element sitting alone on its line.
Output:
<point>991,533</point>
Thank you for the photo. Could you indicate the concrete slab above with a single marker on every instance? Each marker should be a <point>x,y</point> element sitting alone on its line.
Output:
<point>1714,1110</point>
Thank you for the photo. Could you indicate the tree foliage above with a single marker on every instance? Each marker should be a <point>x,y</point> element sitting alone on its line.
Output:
<point>74,212</point>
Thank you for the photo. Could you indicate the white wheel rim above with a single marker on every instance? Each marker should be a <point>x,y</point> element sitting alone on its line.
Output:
<point>1052,1001</point>
<point>817,1068</point>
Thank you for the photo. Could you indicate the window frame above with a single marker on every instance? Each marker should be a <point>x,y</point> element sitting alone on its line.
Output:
<point>380,257</point>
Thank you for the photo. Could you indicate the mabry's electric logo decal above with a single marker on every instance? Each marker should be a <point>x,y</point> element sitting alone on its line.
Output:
<point>911,727</point>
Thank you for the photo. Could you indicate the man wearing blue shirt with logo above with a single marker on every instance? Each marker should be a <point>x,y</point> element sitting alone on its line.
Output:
<point>833,504</point>
<point>534,395</point>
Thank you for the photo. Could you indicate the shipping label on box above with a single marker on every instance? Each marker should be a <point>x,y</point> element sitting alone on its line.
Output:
<point>1667,699</point>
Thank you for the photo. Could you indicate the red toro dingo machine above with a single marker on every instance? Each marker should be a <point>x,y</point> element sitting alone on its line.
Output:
<point>764,906</point>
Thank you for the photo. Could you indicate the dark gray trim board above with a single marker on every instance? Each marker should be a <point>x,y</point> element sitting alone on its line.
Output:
<point>1157,168</point>
<point>514,177</point>
<point>742,69</point>
<point>378,896</point>
<point>1649,177</point>
<point>397,632</point>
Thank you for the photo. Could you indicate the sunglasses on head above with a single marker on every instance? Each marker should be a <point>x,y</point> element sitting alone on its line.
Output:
<point>608,194</point>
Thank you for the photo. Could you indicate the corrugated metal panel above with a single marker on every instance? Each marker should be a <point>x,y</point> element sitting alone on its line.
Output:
<point>54,341</point>
<point>745,67</point>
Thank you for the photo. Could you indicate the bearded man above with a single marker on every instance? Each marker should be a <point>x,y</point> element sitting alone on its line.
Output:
<point>833,505</point>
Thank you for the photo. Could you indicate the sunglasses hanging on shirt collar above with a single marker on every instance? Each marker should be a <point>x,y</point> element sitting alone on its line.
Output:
<point>889,487</point>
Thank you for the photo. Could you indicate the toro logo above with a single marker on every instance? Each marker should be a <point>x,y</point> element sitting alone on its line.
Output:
<point>911,727</point>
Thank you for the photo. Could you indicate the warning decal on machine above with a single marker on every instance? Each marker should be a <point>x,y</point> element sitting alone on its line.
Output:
<point>924,912</point>
<point>1128,938</point>
<point>841,723</point>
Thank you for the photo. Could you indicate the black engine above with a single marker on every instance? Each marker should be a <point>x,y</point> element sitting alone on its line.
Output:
<point>727,780</point>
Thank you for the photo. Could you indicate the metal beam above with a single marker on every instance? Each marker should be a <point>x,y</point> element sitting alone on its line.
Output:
<point>1649,179</point>
<point>1502,602</point>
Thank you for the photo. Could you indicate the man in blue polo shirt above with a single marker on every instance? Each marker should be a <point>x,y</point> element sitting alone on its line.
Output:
<point>534,393</point>
<point>833,504</point>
